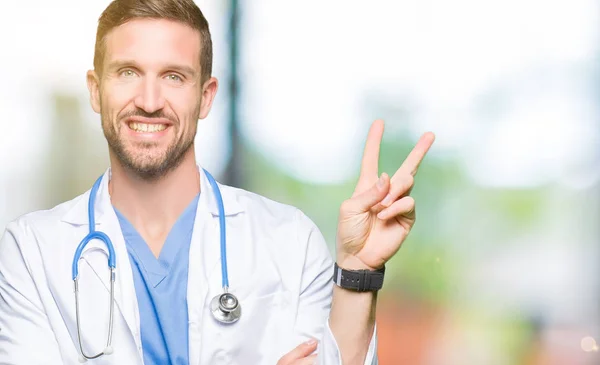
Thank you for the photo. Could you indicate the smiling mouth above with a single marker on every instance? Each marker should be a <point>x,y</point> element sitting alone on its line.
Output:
<point>146,127</point>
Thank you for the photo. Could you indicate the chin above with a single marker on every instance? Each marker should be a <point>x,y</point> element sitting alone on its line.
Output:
<point>144,164</point>
<point>149,171</point>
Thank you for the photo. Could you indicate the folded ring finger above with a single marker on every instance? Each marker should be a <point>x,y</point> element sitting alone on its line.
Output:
<point>403,206</point>
<point>400,185</point>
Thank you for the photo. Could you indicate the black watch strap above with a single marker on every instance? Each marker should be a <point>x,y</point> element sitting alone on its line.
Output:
<point>358,280</point>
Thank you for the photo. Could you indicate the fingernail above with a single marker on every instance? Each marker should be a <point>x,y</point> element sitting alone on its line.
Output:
<point>311,342</point>
<point>387,200</point>
<point>380,182</point>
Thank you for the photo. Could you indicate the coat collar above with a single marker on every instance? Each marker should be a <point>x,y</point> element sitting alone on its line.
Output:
<point>78,214</point>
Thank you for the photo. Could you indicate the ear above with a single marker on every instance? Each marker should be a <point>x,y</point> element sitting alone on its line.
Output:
<point>209,90</point>
<point>93,84</point>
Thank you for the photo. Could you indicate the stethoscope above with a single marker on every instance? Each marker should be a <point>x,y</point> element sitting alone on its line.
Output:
<point>225,307</point>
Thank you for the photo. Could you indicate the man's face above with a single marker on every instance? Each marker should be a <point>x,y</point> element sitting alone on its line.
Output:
<point>150,94</point>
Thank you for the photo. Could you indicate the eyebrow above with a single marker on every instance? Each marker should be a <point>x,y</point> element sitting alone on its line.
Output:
<point>186,70</point>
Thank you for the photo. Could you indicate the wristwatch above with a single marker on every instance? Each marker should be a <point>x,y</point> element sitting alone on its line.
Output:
<point>358,280</point>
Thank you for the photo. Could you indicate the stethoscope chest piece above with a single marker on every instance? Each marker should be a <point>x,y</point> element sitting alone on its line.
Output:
<point>226,308</point>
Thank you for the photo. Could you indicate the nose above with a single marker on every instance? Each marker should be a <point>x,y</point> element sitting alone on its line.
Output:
<point>150,97</point>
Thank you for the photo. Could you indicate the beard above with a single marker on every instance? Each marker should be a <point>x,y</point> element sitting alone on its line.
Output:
<point>141,159</point>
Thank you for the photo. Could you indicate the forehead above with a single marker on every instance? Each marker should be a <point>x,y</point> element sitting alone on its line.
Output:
<point>152,42</point>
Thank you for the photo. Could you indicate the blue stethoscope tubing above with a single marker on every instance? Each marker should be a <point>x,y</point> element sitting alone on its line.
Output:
<point>112,264</point>
<point>222,233</point>
<point>225,307</point>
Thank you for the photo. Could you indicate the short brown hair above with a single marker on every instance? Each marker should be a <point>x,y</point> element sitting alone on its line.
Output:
<point>187,12</point>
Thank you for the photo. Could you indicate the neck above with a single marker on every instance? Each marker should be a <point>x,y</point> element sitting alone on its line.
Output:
<point>153,207</point>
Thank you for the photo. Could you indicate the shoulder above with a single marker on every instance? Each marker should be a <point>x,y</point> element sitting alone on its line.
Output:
<point>286,228</point>
<point>269,211</point>
<point>294,243</point>
<point>41,220</point>
<point>31,236</point>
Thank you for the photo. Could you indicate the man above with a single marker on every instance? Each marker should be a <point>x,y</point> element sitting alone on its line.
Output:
<point>151,84</point>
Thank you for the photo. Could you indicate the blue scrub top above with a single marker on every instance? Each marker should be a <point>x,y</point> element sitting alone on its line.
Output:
<point>161,289</point>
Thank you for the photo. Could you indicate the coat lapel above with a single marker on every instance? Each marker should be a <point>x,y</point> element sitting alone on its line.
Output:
<point>202,262</point>
<point>125,295</point>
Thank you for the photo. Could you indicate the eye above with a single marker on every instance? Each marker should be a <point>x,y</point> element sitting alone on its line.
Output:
<point>128,73</point>
<point>174,77</point>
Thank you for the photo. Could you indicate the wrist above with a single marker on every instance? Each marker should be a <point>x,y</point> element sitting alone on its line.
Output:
<point>351,262</point>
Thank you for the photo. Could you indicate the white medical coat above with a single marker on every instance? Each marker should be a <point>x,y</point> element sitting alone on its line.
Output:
<point>279,267</point>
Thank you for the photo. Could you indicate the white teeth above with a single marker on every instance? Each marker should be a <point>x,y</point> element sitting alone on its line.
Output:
<point>147,128</point>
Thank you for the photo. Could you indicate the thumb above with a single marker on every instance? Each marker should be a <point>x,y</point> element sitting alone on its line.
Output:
<point>369,198</point>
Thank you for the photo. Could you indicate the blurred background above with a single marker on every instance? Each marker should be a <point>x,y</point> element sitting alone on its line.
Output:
<point>502,266</point>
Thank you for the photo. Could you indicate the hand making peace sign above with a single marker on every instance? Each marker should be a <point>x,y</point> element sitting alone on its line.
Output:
<point>375,221</point>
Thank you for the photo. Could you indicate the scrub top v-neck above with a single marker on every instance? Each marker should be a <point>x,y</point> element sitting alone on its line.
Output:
<point>161,289</point>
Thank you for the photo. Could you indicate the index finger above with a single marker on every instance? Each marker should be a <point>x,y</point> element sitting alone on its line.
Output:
<point>414,158</point>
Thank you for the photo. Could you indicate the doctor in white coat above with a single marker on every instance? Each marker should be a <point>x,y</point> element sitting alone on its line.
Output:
<point>151,84</point>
